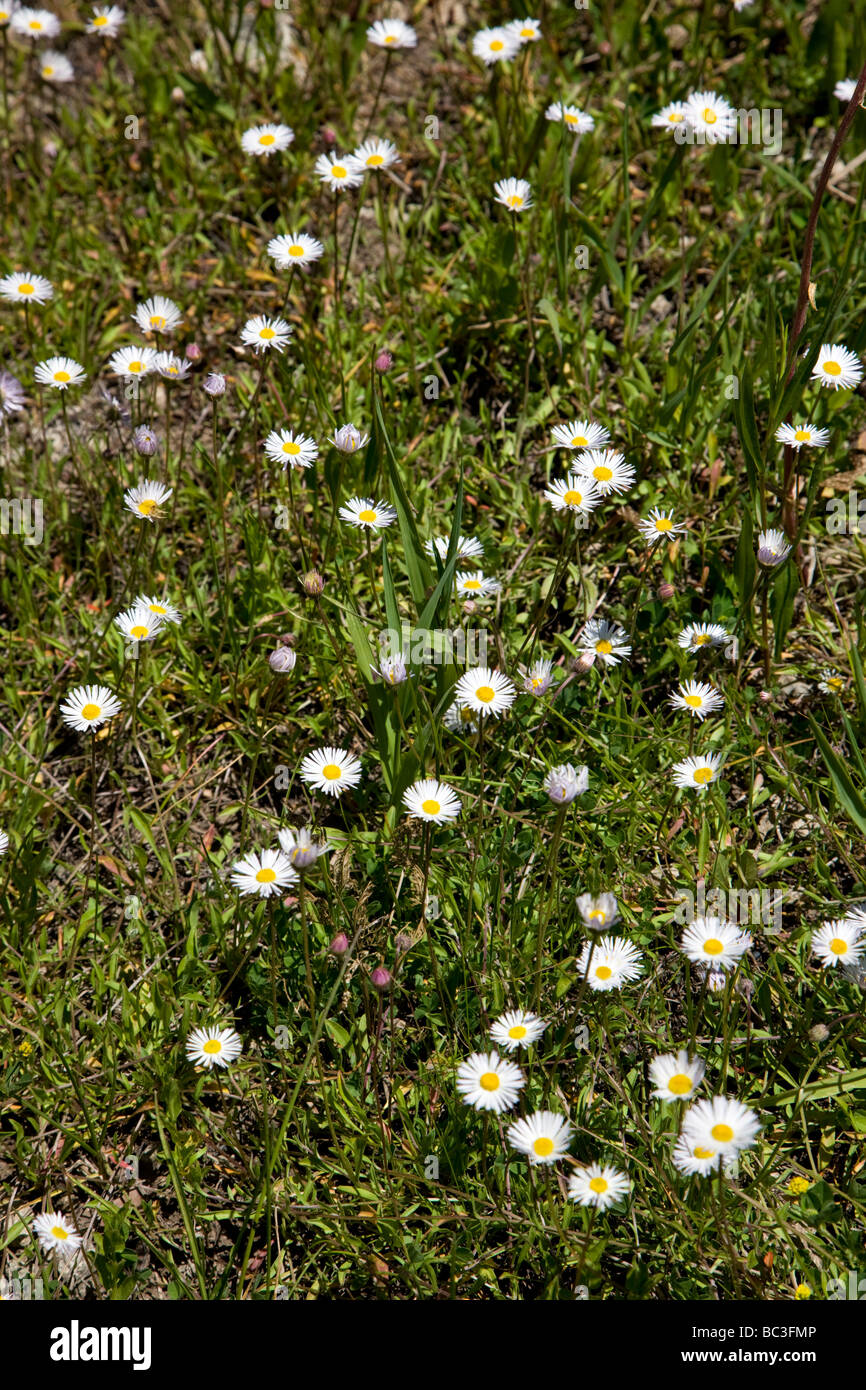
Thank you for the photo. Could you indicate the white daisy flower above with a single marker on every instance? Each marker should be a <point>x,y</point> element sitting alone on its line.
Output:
<point>56,1233</point>
<point>517,1028</point>
<point>374,154</point>
<point>133,361</point>
<point>607,468</point>
<point>157,315</point>
<point>606,641</point>
<point>525,30</point>
<point>839,943</point>
<point>543,1136</point>
<point>676,1075</point>
<point>338,171</point>
<point>7,9</point>
<point>462,719</point>
<point>845,89</point>
<point>514,194</point>
<point>489,1082</point>
<point>697,636</point>
<point>265,140</point>
<point>160,607</point>
<point>263,333</point>
<point>495,45</point>
<point>837,367</point>
<point>573,494</point>
<point>565,782</point>
<point>263,874</point>
<point>106,20</point>
<point>710,116</point>
<point>393,670</point>
<point>697,773</point>
<point>60,373</point>
<point>694,1159</point>
<point>475,585</point>
<point>213,1047</point>
<point>711,941</point>
<point>139,624</point>
<point>538,678</point>
<point>295,250</point>
<point>11,394</point>
<point>4,842</point>
<point>430,800</point>
<point>597,1186</point>
<point>659,525</point>
<point>670,116</point>
<point>392,33</point>
<point>331,771</point>
<point>802,436</point>
<point>364,512</point>
<point>348,439</point>
<point>88,706</point>
<point>300,847</point>
<point>773,548</point>
<point>721,1123</point>
<point>697,698</point>
<point>581,434</point>
<point>146,498</point>
<point>171,367</point>
<point>467,547</point>
<point>287,447</point>
<point>609,963</point>
<point>25,288</point>
<point>35,24</point>
<point>55,67</point>
<point>598,910</point>
<point>485,691</point>
<point>831,683</point>
<point>577,121</point>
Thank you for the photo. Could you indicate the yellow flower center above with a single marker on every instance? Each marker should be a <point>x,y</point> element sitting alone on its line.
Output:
<point>802,436</point>
<point>569,119</point>
<point>704,1153</point>
<point>134,367</point>
<point>579,442</point>
<point>602,473</point>
<point>147,505</point>
<point>515,200</point>
<point>138,631</point>
<point>832,368</point>
<point>390,38</point>
<point>543,1147</point>
<point>713,947</point>
<point>598,914</point>
<point>598,1185</point>
<point>675,117</point>
<point>526,32</point>
<point>838,946</point>
<point>710,116</point>
<point>35,24</point>
<point>603,972</point>
<point>537,681</point>
<point>290,447</point>
<point>25,289</point>
<point>100,20</point>
<point>212,1047</point>
<point>338,171</point>
<point>91,711</point>
<point>663,524</point>
<point>157,608</point>
<point>367,514</point>
<point>430,807</point>
<point>496,46</point>
<point>680,1084</point>
<point>296,250</point>
<point>267,334</point>
<point>517,1032</point>
<point>47,71</point>
<point>59,1233</point>
<point>694,701</point>
<point>265,876</point>
<point>472,584</point>
<point>485,693</point>
<point>835,682</point>
<point>157,321</point>
<point>374,161</point>
<point>722,1133</point>
<point>489,1081</point>
<point>62,376</point>
<point>266,139</point>
<point>332,772</point>
<point>702,775</point>
<point>701,639</point>
<point>572,498</point>
<point>604,648</point>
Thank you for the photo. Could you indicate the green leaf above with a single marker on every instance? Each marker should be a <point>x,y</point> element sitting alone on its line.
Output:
<point>849,798</point>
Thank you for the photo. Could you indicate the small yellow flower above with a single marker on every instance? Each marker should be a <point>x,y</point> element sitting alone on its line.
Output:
<point>797,1186</point>
<point>25,1047</point>
<point>802,1290</point>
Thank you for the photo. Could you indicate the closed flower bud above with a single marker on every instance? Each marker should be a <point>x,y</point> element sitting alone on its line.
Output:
<point>402,943</point>
<point>282,660</point>
<point>314,584</point>
<point>145,441</point>
<point>193,352</point>
<point>215,384</point>
<point>666,591</point>
<point>384,362</point>
<point>340,944</point>
<point>380,978</point>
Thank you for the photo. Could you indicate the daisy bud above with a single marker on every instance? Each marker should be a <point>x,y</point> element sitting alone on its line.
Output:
<point>193,352</point>
<point>470,607</point>
<point>565,782</point>
<point>380,978</point>
<point>282,661</point>
<point>215,384</point>
<point>765,697</point>
<point>177,96</point>
<point>145,441</point>
<point>402,943</point>
<point>819,1033</point>
<point>340,945</point>
<point>314,584</point>
<point>328,135</point>
<point>583,663</point>
<point>287,639</point>
<point>666,591</point>
<point>384,362</point>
